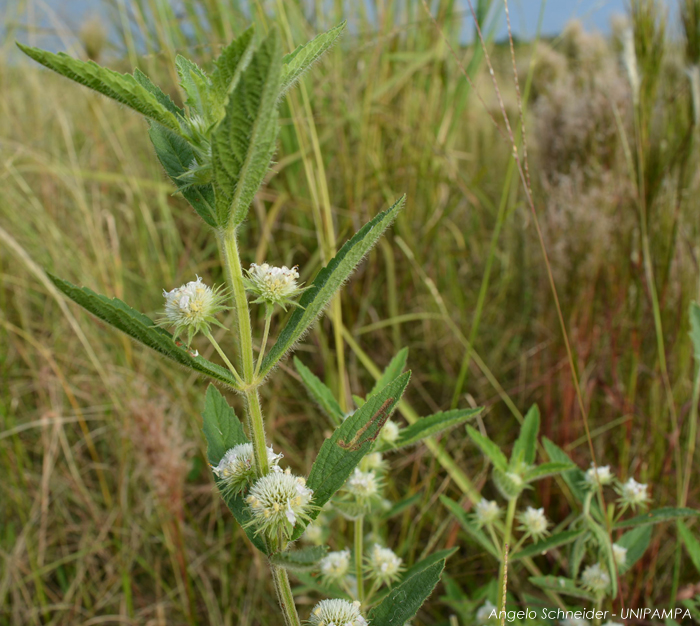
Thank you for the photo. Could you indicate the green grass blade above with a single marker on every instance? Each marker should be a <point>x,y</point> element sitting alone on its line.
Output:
<point>141,328</point>
<point>244,141</point>
<point>223,430</point>
<point>123,88</point>
<point>304,56</point>
<point>327,282</point>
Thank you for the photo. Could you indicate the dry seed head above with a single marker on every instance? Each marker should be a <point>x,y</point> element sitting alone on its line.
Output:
<point>237,467</point>
<point>337,613</point>
<point>278,500</point>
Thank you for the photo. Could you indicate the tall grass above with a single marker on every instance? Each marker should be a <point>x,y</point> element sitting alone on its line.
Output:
<point>87,532</point>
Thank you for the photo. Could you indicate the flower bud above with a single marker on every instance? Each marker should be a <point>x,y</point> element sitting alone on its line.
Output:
<point>509,484</point>
<point>595,578</point>
<point>486,512</point>
<point>337,613</point>
<point>273,285</point>
<point>335,565</point>
<point>534,522</point>
<point>383,564</point>
<point>390,432</point>
<point>237,467</point>
<point>619,554</point>
<point>192,308</point>
<point>278,500</point>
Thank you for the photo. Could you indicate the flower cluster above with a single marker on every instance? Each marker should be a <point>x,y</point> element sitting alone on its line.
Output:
<point>363,485</point>
<point>278,500</point>
<point>595,578</point>
<point>383,564</point>
<point>633,494</point>
<point>335,565</point>
<point>486,512</point>
<point>534,522</point>
<point>599,475</point>
<point>237,467</point>
<point>337,613</point>
<point>192,308</point>
<point>273,285</point>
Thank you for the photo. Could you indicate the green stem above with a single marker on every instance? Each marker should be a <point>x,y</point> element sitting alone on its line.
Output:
<point>261,354</point>
<point>510,516</point>
<point>359,528</point>
<point>285,596</point>
<point>222,354</point>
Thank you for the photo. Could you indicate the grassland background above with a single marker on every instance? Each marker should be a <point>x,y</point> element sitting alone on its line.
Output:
<point>107,511</point>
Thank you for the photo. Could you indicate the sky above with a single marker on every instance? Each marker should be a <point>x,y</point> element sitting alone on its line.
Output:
<point>595,15</point>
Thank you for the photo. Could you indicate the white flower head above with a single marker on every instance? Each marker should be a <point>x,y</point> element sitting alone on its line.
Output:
<point>483,615</point>
<point>487,512</point>
<point>313,533</point>
<point>337,613</point>
<point>595,578</point>
<point>237,467</point>
<point>619,554</point>
<point>534,522</point>
<point>374,461</point>
<point>383,564</point>
<point>604,476</point>
<point>390,432</point>
<point>278,500</point>
<point>193,308</point>
<point>633,493</point>
<point>273,285</point>
<point>335,565</point>
<point>363,485</point>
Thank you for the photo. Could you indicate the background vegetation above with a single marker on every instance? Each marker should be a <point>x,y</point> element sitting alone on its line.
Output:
<point>108,513</point>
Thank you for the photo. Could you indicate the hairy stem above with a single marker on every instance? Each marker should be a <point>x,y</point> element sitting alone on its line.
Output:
<point>285,596</point>
<point>359,529</point>
<point>510,516</point>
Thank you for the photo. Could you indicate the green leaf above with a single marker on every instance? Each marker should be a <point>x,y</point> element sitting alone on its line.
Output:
<point>196,85</point>
<point>320,393</point>
<point>395,367</point>
<point>303,57</point>
<point>695,328</point>
<point>562,585</point>
<point>692,545</point>
<point>547,469</point>
<point>302,560</point>
<point>432,425</point>
<point>244,141</point>
<point>404,600</point>
<point>223,431</point>
<point>470,527</point>
<point>141,328</point>
<point>541,547</point>
<point>578,551</point>
<point>428,561</point>
<point>657,516</point>
<point>327,282</point>
<point>163,98</point>
<point>176,155</point>
<point>574,478</point>
<point>230,64</point>
<point>607,556</point>
<point>344,449</point>
<point>123,88</point>
<point>402,505</point>
<point>489,448</point>
<point>636,541</point>
<point>525,448</point>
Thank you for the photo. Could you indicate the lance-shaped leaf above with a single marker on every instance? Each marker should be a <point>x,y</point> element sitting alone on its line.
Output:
<point>547,469</point>
<point>195,83</point>
<point>489,448</point>
<point>541,547</point>
<point>433,425</point>
<point>327,282</point>
<point>636,541</point>
<point>163,98</point>
<point>562,585</point>
<point>302,560</point>
<point>344,449</point>
<point>404,600</point>
<point>176,155</point>
<point>141,328</point>
<point>395,367</point>
<point>223,431</point>
<point>577,552</point>
<point>470,526</point>
<point>230,64</point>
<point>303,57</point>
<point>606,552</point>
<point>657,516</point>
<point>123,88</point>
<point>574,478</point>
<point>244,141</point>
<point>525,448</point>
<point>320,393</point>
<point>692,545</point>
